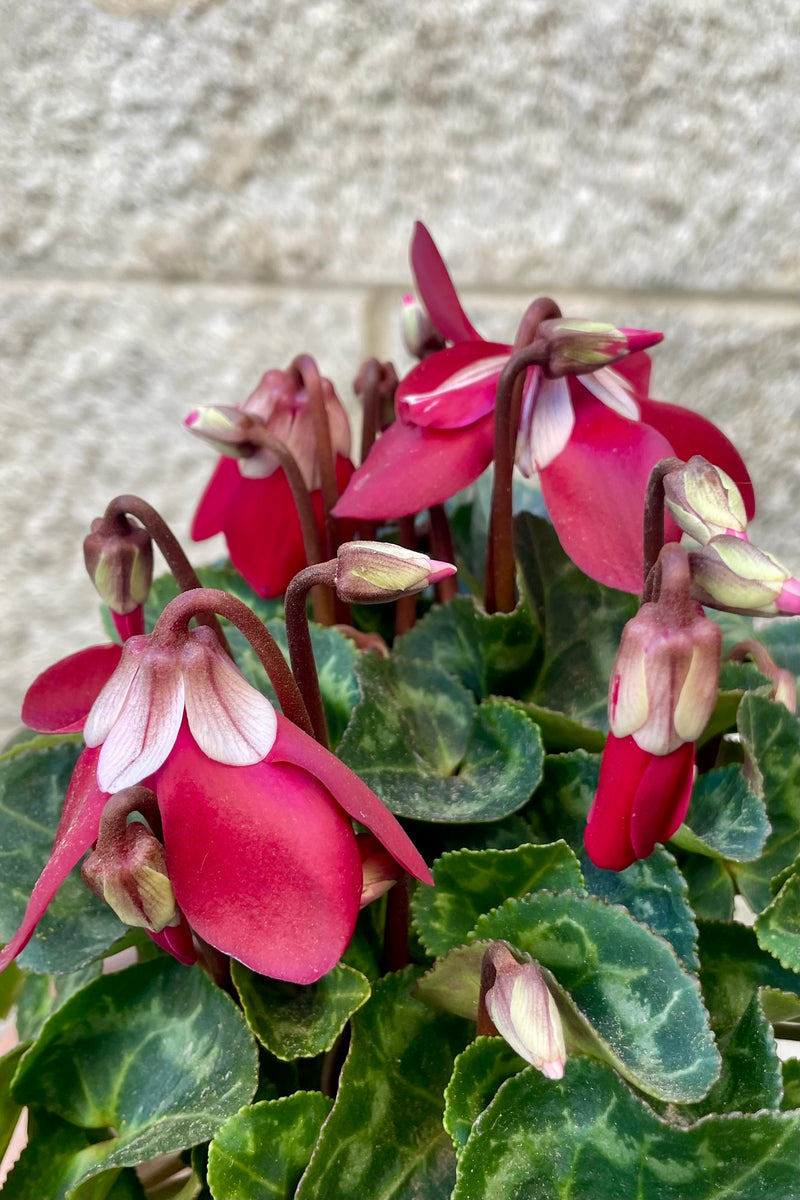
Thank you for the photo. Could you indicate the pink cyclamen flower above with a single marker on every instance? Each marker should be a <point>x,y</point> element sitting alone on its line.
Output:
<point>257,822</point>
<point>249,499</point>
<point>593,438</point>
<point>641,799</point>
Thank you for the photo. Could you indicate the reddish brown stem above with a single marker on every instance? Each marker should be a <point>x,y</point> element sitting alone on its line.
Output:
<point>182,570</point>
<point>654,523</point>
<point>298,635</point>
<point>442,548</point>
<point>179,612</point>
<point>395,941</point>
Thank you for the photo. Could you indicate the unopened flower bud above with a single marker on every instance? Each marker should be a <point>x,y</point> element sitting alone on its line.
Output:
<point>119,559</point>
<point>664,683</point>
<point>129,872</point>
<point>579,347</point>
<point>377,572</point>
<point>381,871</point>
<point>523,1009</point>
<point>704,501</point>
<point>223,427</point>
<point>733,574</point>
<point>420,335</point>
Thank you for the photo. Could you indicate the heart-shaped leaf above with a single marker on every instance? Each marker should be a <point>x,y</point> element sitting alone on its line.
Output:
<point>261,1152</point>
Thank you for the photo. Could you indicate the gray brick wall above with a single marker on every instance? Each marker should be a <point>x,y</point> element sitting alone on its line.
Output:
<point>195,190</point>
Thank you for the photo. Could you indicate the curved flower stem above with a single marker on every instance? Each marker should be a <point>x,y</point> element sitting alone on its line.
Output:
<point>182,570</point>
<point>305,366</point>
<point>299,637</point>
<point>405,611</point>
<point>395,938</point>
<point>321,598</point>
<point>367,387</point>
<point>179,612</point>
<point>654,522</point>
<point>442,548</point>
<point>500,590</point>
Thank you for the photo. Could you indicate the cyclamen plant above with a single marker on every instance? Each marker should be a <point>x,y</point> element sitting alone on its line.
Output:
<point>441,893</point>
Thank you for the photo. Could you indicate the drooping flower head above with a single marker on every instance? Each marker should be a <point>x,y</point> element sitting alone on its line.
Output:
<point>248,497</point>
<point>592,437</point>
<point>256,817</point>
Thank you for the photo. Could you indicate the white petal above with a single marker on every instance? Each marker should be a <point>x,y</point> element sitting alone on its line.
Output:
<point>613,390</point>
<point>147,726</point>
<point>230,720</point>
<point>108,705</point>
<point>553,421</point>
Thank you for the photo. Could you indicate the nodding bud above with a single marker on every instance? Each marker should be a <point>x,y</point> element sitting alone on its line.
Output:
<point>420,335</point>
<point>523,1010</point>
<point>733,574</point>
<point>663,685</point>
<point>704,501</point>
<point>223,427</point>
<point>128,870</point>
<point>119,559</point>
<point>381,872</point>
<point>377,572</point>
<point>578,347</point>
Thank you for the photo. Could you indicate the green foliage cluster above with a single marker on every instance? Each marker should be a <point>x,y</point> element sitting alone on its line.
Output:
<point>484,734</point>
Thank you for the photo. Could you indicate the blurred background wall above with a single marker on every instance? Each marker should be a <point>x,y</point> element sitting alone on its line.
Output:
<point>196,190</point>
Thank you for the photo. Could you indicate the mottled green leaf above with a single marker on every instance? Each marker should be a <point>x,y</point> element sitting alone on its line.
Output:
<point>725,818</point>
<point>41,995</point>
<point>770,734</point>
<point>655,893</point>
<point>561,733</point>
<point>488,654</point>
<point>77,926</point>
<point>50,1166</point>
<point>580,623</point>
<point>566,793</point>
<point>10,1109</point>
<point>711,888</point>
<point>155,1053</point>
<point>733,968</point>
<point>296,1021</point>
<point>477,1074</point>
<point>420,742</point>
<point>790,1071</point>
<point>751,1071</point>
<point>626,981</point>
<point>587,1137</point>
<point>778,926</point>
<point>384,1138</point>
<point>471,882</point>
<point>261,1152</point>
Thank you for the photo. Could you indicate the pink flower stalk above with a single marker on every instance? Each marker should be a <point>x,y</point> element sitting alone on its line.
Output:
<point>593,437</point>
<point>641,799</point>
<point>257,833</point>
<point>249,499</point>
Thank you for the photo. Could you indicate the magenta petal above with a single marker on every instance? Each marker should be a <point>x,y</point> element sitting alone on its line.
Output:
<point>436,289</point>
<point>453,387</point>
<point>263,862</point>
<point>607,836</point>
<point>636,369</point>
<point>409,469</point>
<point>177,941</point>
<point>662,798</point>
<point>76,832</point>
<point>263,533</point>
<point>595,489</point>
<point>58,700</point>
<point>294,746</point>
<point>689,433</point>
<point>209,518</point>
